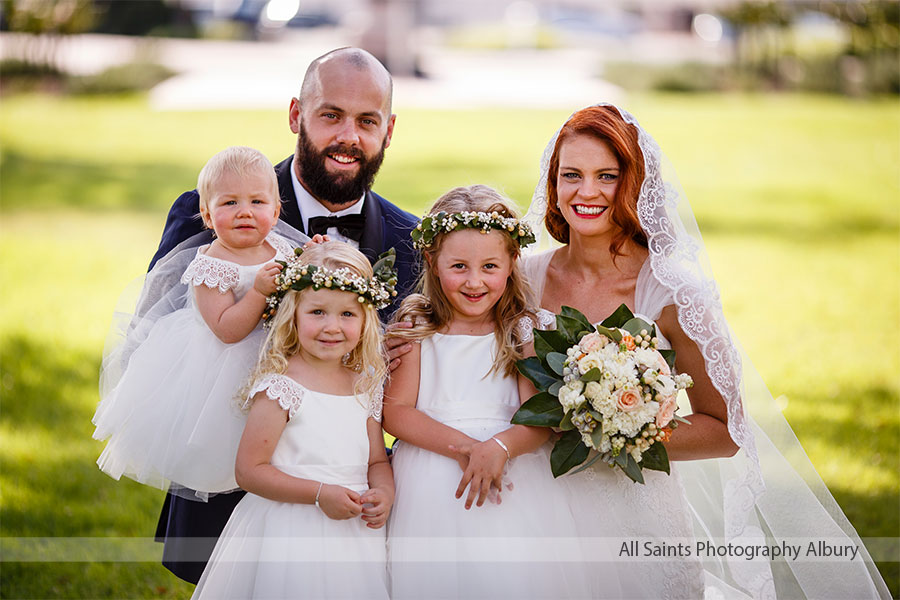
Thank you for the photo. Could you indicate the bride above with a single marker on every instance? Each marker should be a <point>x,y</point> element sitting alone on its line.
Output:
<point>607,195</point>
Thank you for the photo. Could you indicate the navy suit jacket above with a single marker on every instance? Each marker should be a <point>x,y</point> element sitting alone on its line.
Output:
<point>386,226</point>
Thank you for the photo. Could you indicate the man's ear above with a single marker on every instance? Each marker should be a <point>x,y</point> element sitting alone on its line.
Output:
<point>294,115</point>
<point>390,130</point>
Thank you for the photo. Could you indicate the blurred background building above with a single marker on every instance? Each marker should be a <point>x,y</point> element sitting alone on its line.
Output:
<point>466,51</point>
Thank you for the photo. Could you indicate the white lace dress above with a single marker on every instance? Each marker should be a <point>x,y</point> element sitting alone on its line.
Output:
<point>525,547</point>
<point>173,416</point>
<point>655,513</point>
<point>282,550</point>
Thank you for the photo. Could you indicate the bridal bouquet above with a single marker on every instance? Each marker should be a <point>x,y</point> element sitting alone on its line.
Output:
<point>608,388</point>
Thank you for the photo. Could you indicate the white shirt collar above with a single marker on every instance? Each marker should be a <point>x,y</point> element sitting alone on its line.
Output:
<point>310,207</point>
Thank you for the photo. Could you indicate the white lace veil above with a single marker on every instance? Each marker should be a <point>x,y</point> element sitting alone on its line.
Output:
<point>769,492</point>
<point>145,301</point>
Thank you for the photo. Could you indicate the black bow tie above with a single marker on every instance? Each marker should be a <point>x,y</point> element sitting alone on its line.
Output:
<point>349,226</point>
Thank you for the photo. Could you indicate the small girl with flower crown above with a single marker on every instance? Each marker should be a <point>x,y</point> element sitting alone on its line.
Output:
<point>450,403</point>
<point>312,455</point>
<point>167,391</point>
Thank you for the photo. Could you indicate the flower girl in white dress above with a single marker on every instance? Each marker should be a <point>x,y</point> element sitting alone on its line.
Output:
<point>167,390</point>
<point>450,403</point>
<point>312,454</point>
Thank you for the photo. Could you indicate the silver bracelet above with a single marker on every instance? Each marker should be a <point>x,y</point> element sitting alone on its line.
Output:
<point>502,445</point>
<point>318,491</point>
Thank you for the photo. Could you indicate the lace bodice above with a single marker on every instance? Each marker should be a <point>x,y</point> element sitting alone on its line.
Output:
<point>225,275</point>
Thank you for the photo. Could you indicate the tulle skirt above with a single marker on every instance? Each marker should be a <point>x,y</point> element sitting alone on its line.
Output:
<point>524,547</point>
<point>280,550</point>
<point>174,416</point>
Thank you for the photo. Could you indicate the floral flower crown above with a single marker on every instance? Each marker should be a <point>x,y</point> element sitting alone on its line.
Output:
<point>377,290</point>
<point>443,222</point>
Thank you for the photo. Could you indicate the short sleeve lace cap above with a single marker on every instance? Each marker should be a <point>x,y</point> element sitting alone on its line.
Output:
<point>211,272</point>
<point>283,390</point>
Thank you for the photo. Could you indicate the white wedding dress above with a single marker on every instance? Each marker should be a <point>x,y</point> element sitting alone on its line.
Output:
<point>654,513</point>
<point>526,546</point>
<point>275,550</point>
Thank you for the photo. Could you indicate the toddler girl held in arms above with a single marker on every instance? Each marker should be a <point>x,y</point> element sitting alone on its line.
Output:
<point>167,392</point>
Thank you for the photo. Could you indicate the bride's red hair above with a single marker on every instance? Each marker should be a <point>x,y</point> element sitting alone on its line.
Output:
<point>606,124</point>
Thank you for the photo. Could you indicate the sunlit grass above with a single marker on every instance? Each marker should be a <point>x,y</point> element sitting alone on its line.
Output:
<point>797,198</point>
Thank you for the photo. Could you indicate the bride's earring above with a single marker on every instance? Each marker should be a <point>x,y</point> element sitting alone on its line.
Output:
<point>345,359</point>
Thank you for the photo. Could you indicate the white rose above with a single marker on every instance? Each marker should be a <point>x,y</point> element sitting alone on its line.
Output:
<point>593,390</point>
<point>588,362</point>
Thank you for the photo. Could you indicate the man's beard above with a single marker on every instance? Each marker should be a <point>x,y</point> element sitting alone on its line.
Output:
<point>335,188</point>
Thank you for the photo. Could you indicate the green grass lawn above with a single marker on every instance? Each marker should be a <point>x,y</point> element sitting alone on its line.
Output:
<point>798,198</point>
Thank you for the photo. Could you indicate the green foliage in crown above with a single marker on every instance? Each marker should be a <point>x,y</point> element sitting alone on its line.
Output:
<point>379,290</point>
<point>443,222</point>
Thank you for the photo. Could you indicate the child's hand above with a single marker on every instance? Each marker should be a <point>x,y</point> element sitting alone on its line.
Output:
<point>339,503</point>
<point>483,472</point>
<point>376,515</point>
<point>316,239</point>
<point>265,278</point>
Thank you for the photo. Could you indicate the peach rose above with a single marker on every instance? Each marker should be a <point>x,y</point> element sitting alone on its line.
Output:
<point>628,341</point>
<point>591,342</point>
<point>628,400</point>
<point>667,408</point>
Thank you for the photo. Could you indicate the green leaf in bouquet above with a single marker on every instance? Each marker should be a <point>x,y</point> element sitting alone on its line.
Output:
<point>597,456</point>
<point>555,387</point>
<point>612,334</point>
<point>571,328</point>
<point>633,469</point>
<point>681,419</point>
<point>541,410</point>
<point>574,313</point>
<point>619,317</point>
<point>636,325</point>
<point>597,433</point>
<point>594,374</point>
<point>532,369</point>
<point>549,341</point>
<point>621,459</point>
<point>669,357</point>
<point>566,423</point>
<point>656,458</point>
<point>556,360</point>
<point>568,452</point>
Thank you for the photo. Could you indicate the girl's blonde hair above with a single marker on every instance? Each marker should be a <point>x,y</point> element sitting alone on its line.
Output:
<point>430,310</point>
<point>240,161</point>
<point>283,342</point>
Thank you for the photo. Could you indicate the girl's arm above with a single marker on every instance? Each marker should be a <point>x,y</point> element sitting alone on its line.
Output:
<point>487,458</point>
<point>254,472</point>
<point>233,321</point>
<point>707,435</point>
<point>381,480</point>
<point>403,421</point>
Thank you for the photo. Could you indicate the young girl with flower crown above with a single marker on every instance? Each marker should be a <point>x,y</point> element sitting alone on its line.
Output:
<point>167,390</point>
<point>450,402</point>
<point>312,454</point>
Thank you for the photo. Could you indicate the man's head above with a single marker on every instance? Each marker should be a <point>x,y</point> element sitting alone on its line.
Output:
<point>343,123</point>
